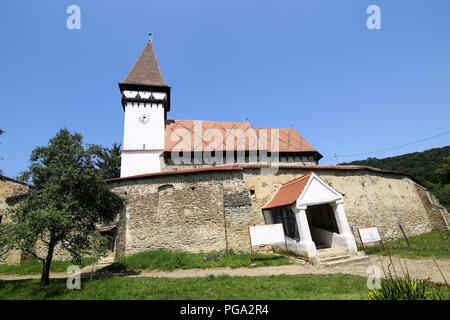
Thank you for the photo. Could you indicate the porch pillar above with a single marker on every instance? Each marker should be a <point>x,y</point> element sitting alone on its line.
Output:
<point>306,242</point>
<point>344,229</point>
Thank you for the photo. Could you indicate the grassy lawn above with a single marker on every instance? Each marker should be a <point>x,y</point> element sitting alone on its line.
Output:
<point>336,286</point>
<point>434,244</point>
<point>35,267</point>
<point>170,260</point>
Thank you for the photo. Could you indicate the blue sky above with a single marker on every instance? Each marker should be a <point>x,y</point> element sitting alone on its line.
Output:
<point>310,64</point>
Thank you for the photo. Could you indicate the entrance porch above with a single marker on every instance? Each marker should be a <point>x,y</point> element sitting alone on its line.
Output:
<point>313,217</point>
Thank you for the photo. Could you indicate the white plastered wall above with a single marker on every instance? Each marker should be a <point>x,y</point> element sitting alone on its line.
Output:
<point>148,135</point>
<point>139,162</point>
<point>143,139</point>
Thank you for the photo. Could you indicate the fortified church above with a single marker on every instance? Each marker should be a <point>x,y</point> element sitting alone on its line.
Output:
<point>198,186</point>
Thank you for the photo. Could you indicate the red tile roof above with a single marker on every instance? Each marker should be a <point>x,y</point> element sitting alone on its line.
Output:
<point>289,139</point>
<point>289,192</point>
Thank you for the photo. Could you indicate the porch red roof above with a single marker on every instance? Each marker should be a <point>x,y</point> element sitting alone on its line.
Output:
<point>289,192</point>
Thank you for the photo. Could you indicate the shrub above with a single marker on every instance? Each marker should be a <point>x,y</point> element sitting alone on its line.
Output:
<point>406,289</point>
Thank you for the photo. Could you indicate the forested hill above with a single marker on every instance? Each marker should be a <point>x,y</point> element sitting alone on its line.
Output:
<point>421,165</point>
<point>430,167</point>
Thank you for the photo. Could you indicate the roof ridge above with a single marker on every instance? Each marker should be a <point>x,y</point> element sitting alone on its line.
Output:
<point>307,175</point>
<point>167,120</point>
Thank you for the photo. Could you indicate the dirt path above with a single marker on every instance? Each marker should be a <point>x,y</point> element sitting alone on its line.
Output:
<point>419,269</point>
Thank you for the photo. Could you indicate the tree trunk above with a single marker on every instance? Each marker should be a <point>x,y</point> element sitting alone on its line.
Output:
<point>45,278</point>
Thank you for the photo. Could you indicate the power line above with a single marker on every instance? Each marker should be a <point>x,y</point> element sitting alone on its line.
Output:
<point>391,148</point>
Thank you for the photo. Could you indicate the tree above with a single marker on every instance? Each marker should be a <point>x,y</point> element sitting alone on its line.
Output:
<point>443,171</point>
<point>68,200</point>
<point>109,161</point>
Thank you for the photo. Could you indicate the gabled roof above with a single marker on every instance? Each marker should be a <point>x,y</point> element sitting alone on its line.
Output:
<point>145,70</point>
<point>289,192</point>
<point>289,139</point>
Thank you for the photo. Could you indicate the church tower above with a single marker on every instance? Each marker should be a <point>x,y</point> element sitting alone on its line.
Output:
<point>145,101</point>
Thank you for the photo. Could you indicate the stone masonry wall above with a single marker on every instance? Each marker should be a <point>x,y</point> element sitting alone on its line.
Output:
<point>238,214</point>
<point>183,213</point>
<point>10,188</point>
<point>11,193</point>
<point>211,211</point>
<point>436,213</point>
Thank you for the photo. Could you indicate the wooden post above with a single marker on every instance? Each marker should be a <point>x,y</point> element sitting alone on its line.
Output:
<point>404,235</point>
<point>382,244</point>
<point>251,247</point>
<point>362,243</point>
<point>285,243</point>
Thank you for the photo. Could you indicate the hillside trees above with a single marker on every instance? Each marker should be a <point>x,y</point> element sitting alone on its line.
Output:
<point>430,167</point>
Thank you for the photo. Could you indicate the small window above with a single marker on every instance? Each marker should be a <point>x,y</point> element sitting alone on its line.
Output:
<point>286,216</point>
<point>252,192</point>
<point>1,219</point>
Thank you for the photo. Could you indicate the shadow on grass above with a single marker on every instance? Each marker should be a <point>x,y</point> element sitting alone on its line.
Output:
<point>31,289</point>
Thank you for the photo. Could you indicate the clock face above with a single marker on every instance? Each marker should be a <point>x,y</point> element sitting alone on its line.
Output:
<point>144,118</point>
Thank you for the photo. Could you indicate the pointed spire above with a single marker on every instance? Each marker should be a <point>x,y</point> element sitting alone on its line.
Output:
<point>145,70</point>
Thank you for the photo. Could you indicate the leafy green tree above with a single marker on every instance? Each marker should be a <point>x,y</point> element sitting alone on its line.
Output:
<point>68,200</point>
<point>443,171</point>
<point>109,161</point>
<point>421,165</point>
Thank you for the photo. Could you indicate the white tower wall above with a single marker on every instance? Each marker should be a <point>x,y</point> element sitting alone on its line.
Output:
<point>143,139</point>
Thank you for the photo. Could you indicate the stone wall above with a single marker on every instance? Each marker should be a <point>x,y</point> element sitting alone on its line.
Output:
<point>11,192</point>
<point>196,212</point>
<point>437,214</point>
<point>211,211</point>
<point>238,214</point>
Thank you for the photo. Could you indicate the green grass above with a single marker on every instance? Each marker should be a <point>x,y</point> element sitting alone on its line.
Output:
<point>35,266</point>
<point>170,260</point>
<point>434,244</point>
<point>335,286</point>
